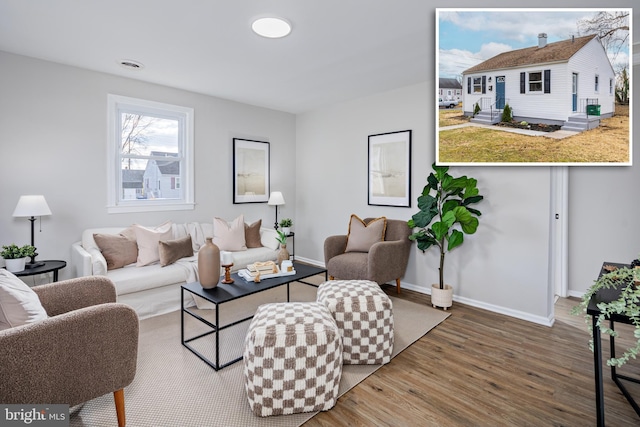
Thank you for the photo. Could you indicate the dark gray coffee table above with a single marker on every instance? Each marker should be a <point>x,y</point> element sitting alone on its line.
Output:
<point>224,293</point>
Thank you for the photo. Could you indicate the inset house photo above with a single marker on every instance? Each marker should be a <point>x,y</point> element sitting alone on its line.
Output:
<point>538,86</point>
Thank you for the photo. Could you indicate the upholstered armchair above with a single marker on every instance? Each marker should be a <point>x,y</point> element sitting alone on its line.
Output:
<point>87,347</point>
<point>383,262</point>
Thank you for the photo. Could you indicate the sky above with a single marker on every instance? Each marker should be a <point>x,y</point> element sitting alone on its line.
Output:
<point>466,37</point>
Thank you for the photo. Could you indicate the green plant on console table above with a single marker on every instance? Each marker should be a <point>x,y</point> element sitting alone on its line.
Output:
<point>286,222</point>
<point>439,213</point>
<point>282,238</point>
<point>13,251</point>
<point>628,304</point>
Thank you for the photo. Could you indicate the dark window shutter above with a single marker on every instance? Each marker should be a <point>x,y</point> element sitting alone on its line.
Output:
<point>484,84</point>
<point>468,84</point>
<point>522,83</point>
<point>547,81</point>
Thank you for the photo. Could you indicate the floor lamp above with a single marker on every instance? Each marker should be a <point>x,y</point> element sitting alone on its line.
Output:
<point>32,206</point>
<point>276,199</point>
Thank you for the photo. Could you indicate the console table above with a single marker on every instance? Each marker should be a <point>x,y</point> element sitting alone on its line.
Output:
<point>605,295</point>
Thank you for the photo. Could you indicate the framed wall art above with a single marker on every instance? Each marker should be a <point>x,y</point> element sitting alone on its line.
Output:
<point>250,171</point>
<point>390,169</point>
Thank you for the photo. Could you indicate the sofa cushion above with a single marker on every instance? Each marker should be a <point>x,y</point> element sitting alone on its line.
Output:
<point>252,234</point>
<point>118,250</point>
<point>229,236</point>
<point>172,250</point>
<point>19,305</point>
<point>148,239</point>
<point>362,236</point>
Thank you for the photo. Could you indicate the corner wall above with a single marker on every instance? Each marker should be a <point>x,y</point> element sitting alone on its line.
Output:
<point>503,267</point>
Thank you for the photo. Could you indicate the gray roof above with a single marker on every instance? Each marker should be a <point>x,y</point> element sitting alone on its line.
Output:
<point>552,52</point>
<point>132,178</point>
<point>449,84</point>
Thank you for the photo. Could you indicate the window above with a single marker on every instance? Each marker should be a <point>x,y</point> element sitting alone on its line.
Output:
<point>597,83</point>
<point>610,86</point>
<point>150,161</point>
<point>535,81</point>
<point>477,85</point>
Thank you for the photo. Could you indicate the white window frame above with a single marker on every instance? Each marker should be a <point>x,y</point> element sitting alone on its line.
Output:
<point>540,82</point>
<point>184,115</point>
<point>611,86</point>
<point>477,85</point>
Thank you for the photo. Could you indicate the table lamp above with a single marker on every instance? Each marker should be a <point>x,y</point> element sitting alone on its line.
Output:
<point>276,199</point>
<point>32,206</point>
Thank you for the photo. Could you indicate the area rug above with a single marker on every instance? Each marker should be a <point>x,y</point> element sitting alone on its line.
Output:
<point>173,387</point>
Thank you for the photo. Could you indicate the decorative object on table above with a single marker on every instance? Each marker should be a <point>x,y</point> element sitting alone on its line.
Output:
<point>15,257</point>
<point>448,206</point>
<point>285,224</point>
<point>286,266</point>
<point>276,199</point>
<point>389,175</point>
<point>265,267</point>
<point>284,253</point>
<point>227,263</point>
<point>209,264</point>
<point>32,206</point>
<point>250,171</point>
<point>625,278</point>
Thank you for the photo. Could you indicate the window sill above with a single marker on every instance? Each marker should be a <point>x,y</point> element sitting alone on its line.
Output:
<point>151,207</point>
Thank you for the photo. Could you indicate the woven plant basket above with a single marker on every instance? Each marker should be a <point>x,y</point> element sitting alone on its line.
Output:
<point>441,297</point>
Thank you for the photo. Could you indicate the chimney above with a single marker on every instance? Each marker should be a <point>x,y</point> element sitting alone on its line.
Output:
<point>542,40</point>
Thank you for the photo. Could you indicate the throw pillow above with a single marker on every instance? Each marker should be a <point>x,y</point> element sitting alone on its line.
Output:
<point>252,234</point>
<point>173,250</point>
<point>117,249</point>
<point>362,236</point>
<point>148,239</point>
<point>19,305</point>
<point>229,236</point>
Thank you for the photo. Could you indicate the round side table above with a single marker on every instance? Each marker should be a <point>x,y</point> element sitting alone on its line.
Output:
<point>49,266</point>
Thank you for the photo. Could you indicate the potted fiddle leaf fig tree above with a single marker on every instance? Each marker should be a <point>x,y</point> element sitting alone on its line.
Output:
<point>444,218</point>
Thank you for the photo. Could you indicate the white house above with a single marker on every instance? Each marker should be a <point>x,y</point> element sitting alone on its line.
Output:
<point>449,89</point>
<point>561,83</point>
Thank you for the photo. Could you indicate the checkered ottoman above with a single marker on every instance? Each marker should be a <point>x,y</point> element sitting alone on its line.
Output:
<point>364,315</point>
<point>292,359</point>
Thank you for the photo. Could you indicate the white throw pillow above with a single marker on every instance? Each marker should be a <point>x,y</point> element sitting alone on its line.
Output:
<point>19,305</point>
<point>229,236</point>
<point>148,240</point>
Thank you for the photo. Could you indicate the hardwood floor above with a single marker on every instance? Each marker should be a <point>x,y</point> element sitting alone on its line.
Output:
<point>478,368</point>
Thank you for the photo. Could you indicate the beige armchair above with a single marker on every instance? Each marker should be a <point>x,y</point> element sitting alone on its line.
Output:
<point>385,261</point>
<point>87,347</point>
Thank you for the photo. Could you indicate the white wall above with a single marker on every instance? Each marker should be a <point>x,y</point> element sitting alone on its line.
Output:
<point>503,267</point>
<point>53,127</point>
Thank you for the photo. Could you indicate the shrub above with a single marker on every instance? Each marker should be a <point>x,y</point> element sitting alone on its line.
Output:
<point>476,109</point>
<point>507,114</point>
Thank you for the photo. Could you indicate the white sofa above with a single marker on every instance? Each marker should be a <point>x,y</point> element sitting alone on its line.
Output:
<point>152,290</point>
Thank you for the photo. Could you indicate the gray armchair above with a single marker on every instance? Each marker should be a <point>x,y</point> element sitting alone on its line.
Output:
<point>87,347</point>
<point>385,261</point>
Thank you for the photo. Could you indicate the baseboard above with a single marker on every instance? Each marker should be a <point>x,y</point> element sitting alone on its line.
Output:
<point>478,304</point>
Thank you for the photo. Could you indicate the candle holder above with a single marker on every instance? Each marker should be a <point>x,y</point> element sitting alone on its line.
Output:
<point>227,274</point>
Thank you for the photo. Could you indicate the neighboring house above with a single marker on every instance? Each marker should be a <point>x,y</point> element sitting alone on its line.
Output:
<point>162,177</point>
<point>450,89</point>
<point>132,184</point>
<point>559,83</point>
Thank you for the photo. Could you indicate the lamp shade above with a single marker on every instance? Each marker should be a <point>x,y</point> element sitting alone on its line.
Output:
<point>276,198</point>
<point>32,206</point>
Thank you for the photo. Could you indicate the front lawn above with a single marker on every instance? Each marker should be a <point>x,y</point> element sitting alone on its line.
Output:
<point>609,143</point>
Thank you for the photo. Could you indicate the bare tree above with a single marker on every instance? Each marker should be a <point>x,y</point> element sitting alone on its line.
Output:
<point>622,86</point>
<point>133,133</point>
<point>612,27</point>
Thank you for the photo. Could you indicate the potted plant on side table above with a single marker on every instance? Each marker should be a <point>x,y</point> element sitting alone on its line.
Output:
<point>285,224</point>
<point>443,219</point>
<point>15,257</point>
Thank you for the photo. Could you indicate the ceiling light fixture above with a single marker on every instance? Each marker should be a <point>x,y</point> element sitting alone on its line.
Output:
<point>131,64</point>
<point>272,28</point>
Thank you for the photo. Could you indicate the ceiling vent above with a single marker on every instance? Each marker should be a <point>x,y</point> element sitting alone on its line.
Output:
<point>131,65</point>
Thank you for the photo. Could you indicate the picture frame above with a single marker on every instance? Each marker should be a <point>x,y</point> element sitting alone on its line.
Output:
<point>251,173</point>
<point>389,170</point>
